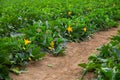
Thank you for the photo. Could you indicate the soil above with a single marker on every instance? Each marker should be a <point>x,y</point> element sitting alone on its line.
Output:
<point>66,67</point>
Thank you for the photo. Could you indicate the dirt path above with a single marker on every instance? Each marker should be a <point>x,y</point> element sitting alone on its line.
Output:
<point>65,68</point>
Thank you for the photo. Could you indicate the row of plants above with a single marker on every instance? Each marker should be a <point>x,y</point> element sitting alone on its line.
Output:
<point>30,29</point>
<point>106,63</point>
<point>16,53</point>
<point>92,15</point>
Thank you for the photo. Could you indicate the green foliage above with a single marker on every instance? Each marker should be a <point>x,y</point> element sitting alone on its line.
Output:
<point>28,29</point>
<point>44,35</point>
<point>95,15</point>
<point>4,72</point>
<point>14,53</point>
<point>106,64</point>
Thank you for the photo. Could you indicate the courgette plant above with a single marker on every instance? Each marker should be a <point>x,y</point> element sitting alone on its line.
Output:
<point>106,64</point>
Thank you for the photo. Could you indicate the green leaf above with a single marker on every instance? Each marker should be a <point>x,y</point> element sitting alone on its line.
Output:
<point>50,65</point>
<point>16,70</point>
<point>37,54</point>
<point>93,57</point>
<point>4,72</point>
<point>82,65</point>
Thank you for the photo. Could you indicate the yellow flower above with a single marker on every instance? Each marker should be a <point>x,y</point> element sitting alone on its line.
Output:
<point>50,48</point>
<point>69,29</point>
<point>26,41</point>
<point>69,13</point>
<point>85,29</point>
<point>52,44</point>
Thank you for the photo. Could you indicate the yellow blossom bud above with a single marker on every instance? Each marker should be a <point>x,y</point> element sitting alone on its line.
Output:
<point>26,41</point>
<point>69,13</point>
<point>52,44</point>
<point>85,29</point>
<point>50,48</point>
<point>69,29</point>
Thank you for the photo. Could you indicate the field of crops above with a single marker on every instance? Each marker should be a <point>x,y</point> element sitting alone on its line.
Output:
<point>30,29</point>
<point>106,64</point>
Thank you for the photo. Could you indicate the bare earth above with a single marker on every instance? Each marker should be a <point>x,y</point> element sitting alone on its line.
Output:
<point>66,67</point>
